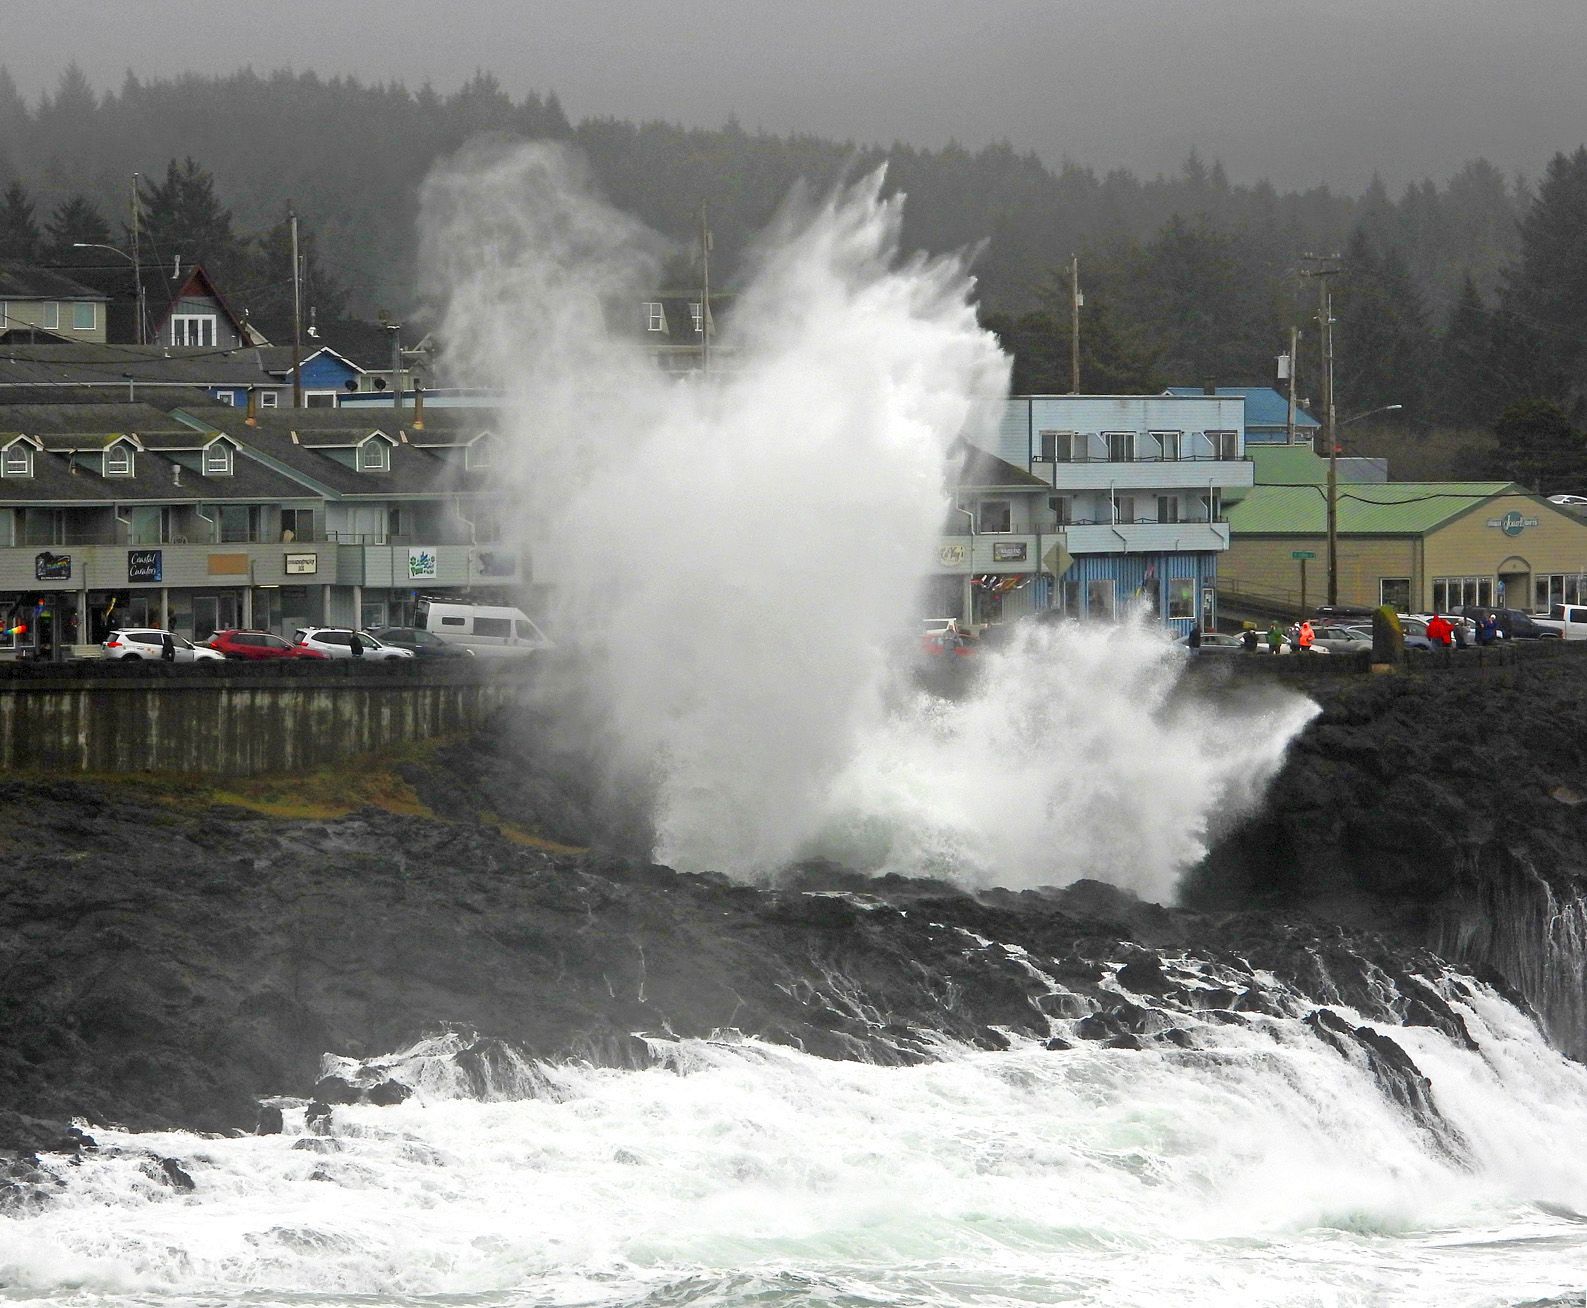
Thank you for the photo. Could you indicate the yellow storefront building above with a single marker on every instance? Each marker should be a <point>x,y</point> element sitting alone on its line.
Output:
<point>1420,546</point>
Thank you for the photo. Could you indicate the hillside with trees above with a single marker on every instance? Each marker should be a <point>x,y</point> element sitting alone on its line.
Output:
<point>1457,299</point>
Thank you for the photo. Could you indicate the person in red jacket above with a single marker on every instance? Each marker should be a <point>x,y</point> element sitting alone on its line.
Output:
<point>1440,632</point>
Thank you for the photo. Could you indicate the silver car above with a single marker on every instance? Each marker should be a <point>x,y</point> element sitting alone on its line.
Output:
<point>345,643</point>
<point>150,643</point>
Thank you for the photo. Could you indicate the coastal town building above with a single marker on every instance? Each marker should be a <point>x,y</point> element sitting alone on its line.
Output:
<point>1420,546</point>
<point>1118,498</point>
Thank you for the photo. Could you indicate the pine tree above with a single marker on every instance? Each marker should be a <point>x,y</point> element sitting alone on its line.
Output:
<point>1548,285</point>
<point>1538,447</point>
<point>1382,345</point>
<point>184,219</point>
<point>75,220</point>
<point>19,231</point>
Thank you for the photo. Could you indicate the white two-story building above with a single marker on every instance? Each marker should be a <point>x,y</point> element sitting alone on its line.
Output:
<point>1101,499</point>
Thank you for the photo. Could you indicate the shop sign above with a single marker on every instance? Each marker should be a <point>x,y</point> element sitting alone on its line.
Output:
<point>228,565</point>
<point>951,556</point>
<point>1008,551</point>
<point>421,564</point>
<point>1513,523</point>
<point>145,565</point>
<point>52,567</point>
<point>300,565</point>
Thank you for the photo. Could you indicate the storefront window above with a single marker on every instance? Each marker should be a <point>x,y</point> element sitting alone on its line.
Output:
<point>1396,593</point>
<point>1100,598</point>
<point>1451,593</point>
<point>1181,597</point>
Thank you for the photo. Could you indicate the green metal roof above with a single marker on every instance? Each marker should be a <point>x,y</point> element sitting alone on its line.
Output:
<point>1396,508</point>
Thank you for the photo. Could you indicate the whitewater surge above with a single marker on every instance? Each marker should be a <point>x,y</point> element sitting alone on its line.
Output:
<point>739,560</point>
<point>1258,1168</point>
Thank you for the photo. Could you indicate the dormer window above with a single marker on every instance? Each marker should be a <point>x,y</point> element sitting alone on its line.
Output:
<point>217,459</point>
<point>118,460</point>
<point>374,455</point>
<point>655,316</point>
<point>17,461</point>
<point>479,454</point>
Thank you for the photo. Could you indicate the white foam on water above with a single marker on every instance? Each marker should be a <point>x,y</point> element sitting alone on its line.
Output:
<point>1261,1169</point>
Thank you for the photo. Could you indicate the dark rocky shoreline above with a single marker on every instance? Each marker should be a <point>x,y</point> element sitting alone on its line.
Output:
<point>167,965</point>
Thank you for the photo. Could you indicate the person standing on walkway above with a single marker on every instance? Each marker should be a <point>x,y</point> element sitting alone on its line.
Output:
<point>1275,638</point>
<point>1305,637</point>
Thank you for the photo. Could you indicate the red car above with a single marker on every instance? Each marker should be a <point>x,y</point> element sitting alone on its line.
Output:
<point>256,645</point>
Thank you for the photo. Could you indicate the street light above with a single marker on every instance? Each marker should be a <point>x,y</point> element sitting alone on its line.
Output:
<point>1333,487</point>
<point>137,276</point>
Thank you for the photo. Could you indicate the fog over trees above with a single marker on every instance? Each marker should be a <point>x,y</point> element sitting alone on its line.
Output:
<point>1459,297</point>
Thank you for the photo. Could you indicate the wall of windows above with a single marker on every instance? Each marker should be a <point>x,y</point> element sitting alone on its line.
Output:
<point>1450,593</point>
<point>1559,588</point>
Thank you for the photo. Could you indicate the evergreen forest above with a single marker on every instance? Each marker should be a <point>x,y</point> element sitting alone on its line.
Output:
<point>1463,300</point>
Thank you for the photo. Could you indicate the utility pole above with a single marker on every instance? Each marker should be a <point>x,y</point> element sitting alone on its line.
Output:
<point>705,294</point>
<point>137,271</point>
<point>1325,269</point>
<point>297,314</point>
<point>1074,324</point>
<point>1294,347</point>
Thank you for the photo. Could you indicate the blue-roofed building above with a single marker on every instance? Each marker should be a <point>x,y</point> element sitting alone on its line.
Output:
<point>1266,413</point>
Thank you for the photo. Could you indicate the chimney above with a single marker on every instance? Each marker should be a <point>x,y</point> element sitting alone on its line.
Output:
<point>1209,387</point>
<point>418,405</point>
<point>252,419</point>
<point>176,474</point>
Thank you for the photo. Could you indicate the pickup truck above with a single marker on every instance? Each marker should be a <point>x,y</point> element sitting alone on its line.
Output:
<point>1570,620</point>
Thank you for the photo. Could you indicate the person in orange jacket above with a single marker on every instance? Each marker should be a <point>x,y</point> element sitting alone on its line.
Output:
<point>1306,637</point>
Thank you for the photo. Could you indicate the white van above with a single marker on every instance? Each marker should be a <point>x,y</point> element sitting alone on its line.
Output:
<point>487,629</point>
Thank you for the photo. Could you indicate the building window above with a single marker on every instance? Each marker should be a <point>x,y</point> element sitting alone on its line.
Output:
<point>372,455</point>
<point>118,461</point>
<point>1062,507</point>
<point>1124,509</point>
<point>217,460</point>
<point>1559,588</point>
<point>1225,445</point>
<point>297,524</point>
<point>994,516</point>
<point>319,399</point>
<point>1165,445</point>
<point>18,461</point>
<point>655,316</point>
<point>50,315</point>
<point>1168,508</point>
<point>84,319</point>
<point>1396,593</point>
<point>478,454</point>
<point>192,329</point>
<point>1121,446</point>
<point>698,318</point>
<point>268,399</point>
<point>1181,597</point>
<point>226,397</point>
<point>1451,593</point>
<point>1212,503</point>
<point>1057,447</point>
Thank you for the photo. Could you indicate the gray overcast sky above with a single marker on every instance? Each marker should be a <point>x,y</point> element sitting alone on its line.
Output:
<point>1325,90</point>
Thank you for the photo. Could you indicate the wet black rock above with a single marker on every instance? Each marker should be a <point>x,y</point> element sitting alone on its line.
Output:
<point>175,1175</point>
<point>336,1090</point>
<point>388,1092</point>
<point>317,1118</point>
<point>270,1121</point>
<point>1057,1044</point>
<point>314,1144</point>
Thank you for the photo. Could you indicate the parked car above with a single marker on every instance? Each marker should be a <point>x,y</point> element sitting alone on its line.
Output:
<point>345,643</point>
<point>1343,640</point>
<point>1514,624</point>
<point>945,636</point>
<point>1214,642</point>
<point>251,645</point>
<point>424,644</point>
<point>149,643</point>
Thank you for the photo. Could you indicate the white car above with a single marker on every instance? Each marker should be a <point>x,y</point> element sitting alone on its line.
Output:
<point>149,643</point>
<point>345,643</point>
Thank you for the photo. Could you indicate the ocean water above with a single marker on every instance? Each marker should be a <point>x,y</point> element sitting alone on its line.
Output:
<point>1259,1168</point>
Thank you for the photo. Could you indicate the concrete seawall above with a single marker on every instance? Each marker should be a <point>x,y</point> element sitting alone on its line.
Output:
<point>236,719</point>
